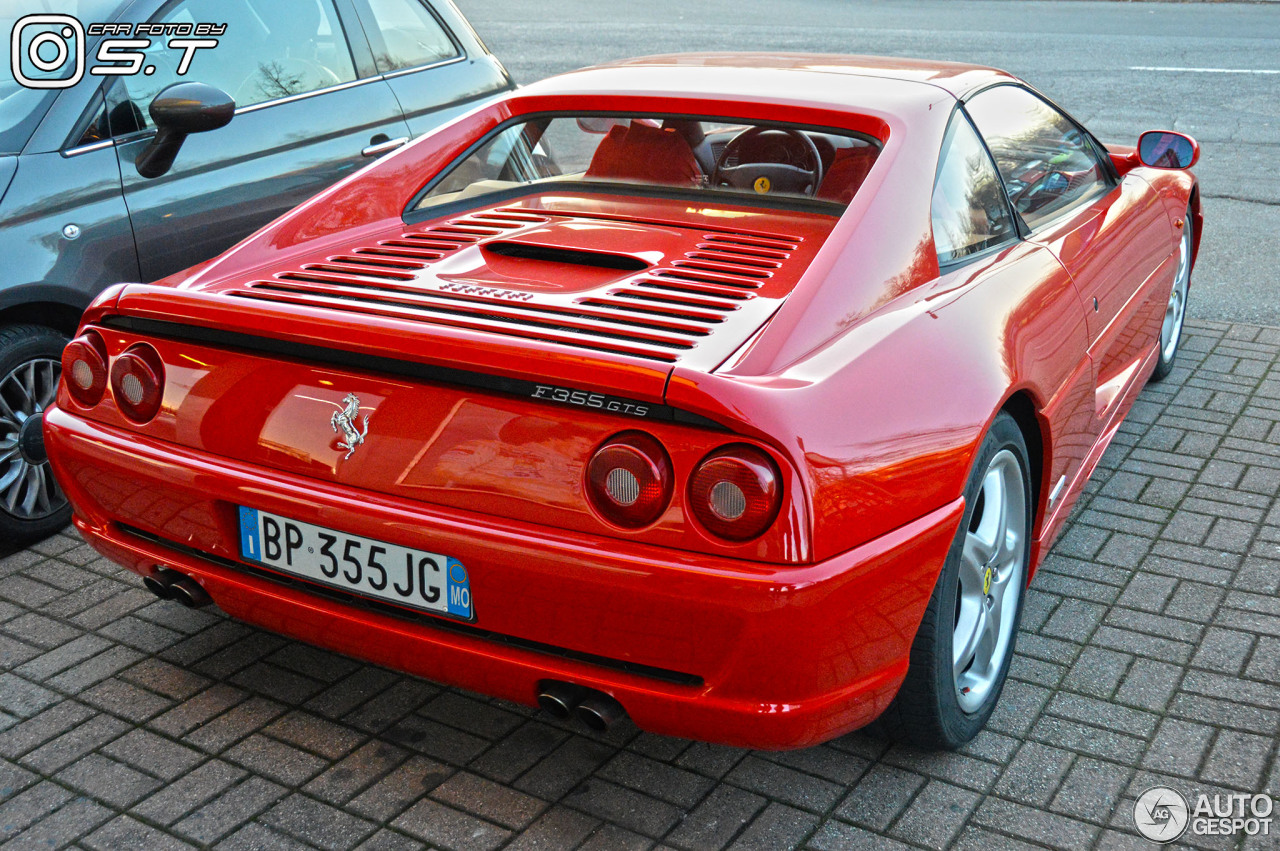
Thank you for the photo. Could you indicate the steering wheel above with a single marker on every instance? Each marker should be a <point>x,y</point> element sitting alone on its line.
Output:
<point>792,164</point>
<point>1041,192</point>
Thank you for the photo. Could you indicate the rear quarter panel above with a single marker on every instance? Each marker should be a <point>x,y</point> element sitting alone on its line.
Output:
<point>882,422</point>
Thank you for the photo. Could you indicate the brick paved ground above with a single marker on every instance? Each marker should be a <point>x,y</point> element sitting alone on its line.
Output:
<point>1150,653</point>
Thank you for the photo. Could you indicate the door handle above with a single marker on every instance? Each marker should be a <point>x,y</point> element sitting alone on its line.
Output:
<point>379,148</point>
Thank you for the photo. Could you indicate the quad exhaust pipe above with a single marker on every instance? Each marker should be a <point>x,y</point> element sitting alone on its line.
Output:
<point>595,709</point>
<point>168,584</point>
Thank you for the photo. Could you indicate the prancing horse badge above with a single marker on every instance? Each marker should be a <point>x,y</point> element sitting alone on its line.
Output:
<point>344,422</point>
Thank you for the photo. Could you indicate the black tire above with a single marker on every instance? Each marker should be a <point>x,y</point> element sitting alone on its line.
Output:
<point>1166,356</point>
<point>926,712</point>
<point>19,345</point>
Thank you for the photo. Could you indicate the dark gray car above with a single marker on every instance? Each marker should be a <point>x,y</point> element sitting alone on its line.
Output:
<point>319,88</point>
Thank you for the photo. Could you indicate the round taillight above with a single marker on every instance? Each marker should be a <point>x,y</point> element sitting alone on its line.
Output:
<point>736,492</point>
<point>84,368</point>
<point>137,382</point>
<point>629,479</point>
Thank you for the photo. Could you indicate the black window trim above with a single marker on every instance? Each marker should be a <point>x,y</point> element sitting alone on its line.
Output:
<point>1098,150</point>
<point>1020,231</point>
<point>102,95</point>
<point>460,51</point>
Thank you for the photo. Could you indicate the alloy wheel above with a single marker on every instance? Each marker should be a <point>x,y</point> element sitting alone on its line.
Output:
<point>27,490</point>
<point>1176,310</point>
<point>991,581</point>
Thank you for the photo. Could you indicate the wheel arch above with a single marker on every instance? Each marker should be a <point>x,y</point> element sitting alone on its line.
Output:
<point>1022,407</point>
<point>59,316</point>
<point>1197,219</point>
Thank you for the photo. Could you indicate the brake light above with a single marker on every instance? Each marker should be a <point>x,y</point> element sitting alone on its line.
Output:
<point>736,492</point>
<point>137,382</point>
<point>629,479</point>
<point>84,367</point>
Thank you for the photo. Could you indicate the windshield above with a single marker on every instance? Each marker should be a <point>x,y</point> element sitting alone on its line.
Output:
<point>46,52</point>
<point>750,161</point>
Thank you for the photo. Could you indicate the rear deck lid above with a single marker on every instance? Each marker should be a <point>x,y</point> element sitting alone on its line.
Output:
<point>596,292</point>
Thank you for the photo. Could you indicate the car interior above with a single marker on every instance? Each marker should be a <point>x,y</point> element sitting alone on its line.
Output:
<point>677,152</point>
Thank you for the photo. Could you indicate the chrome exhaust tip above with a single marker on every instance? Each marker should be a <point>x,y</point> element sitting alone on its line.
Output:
<point>558,699</point>
<point>169,584</point>
<point>189,593</point>
<point>600,712</point>
<point>159,587</point>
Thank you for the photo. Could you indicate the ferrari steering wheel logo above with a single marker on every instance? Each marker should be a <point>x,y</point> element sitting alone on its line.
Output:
<point>762,185</point>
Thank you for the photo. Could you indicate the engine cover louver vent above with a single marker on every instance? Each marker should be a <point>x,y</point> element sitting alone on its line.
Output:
<point>653,311</point>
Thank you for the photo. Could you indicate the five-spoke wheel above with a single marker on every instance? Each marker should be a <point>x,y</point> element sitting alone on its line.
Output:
<point>961,653</point>
<point>1176,310</point>
<point>991,580</point>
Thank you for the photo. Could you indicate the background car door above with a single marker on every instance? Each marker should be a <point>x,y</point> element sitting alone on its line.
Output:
<point>1107,234</point>
<point>308,105</point>
<point>421,51</point>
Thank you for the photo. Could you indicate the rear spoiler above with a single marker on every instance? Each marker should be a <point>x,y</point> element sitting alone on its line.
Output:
<point>533,369</point>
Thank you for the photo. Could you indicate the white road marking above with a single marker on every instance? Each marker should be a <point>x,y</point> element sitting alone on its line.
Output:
<point>1206,70</point>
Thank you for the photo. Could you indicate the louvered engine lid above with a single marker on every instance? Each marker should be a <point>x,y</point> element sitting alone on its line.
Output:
<point>656,281</point>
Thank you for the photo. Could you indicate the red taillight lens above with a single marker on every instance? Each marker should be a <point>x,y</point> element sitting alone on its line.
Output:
<point>629,479</point>
<point>137,382</point>
<point>736,492</point>
<point>84,368</point>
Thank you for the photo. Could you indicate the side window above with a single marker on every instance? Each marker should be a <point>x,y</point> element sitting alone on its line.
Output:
<point>1046,162</point>
<point>969,210</point>
<point>407,35</point>
<point>271,49</point>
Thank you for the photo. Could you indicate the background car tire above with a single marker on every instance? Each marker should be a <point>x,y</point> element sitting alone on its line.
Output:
<point>927,711</point>
<point>1172,325</point>
<point>23,347</point>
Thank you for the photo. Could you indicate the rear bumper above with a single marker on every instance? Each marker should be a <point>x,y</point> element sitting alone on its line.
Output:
<point>715,649</point>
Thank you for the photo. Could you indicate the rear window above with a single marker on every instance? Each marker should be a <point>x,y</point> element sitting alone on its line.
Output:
<point>747,160</point>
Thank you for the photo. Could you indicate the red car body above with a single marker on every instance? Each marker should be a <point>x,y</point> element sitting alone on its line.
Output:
<point>867,374</point>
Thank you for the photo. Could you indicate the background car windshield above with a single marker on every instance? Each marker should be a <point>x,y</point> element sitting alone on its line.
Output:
<point>753,161</point>
<point>21,108</point>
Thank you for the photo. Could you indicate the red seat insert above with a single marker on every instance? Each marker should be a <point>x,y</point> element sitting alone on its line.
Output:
<point>645,154</point>
<point>848,170</point>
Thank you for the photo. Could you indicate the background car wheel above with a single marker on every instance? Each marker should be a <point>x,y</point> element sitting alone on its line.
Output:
<point>1176,310</point>
<point>960,656</point>
<point>32,506</point>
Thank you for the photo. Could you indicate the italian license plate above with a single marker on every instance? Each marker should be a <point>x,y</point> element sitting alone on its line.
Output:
<point>406,577</point>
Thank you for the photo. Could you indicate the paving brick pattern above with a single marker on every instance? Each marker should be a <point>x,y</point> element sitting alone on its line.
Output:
<point>1149,654</point>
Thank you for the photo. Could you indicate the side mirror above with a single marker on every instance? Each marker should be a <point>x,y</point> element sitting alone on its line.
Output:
<point>1167,149</point>
<point>179,110</point>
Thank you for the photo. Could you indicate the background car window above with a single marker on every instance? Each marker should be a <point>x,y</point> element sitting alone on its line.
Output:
<point>410,35</point>
<point>1045,160</point>
<point>969,208</point>
<point>271,49</point>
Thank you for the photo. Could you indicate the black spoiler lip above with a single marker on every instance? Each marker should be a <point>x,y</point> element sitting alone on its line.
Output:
<point>544,391</point>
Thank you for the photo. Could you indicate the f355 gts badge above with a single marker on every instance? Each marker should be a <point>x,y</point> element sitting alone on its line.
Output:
<point>345,423</point>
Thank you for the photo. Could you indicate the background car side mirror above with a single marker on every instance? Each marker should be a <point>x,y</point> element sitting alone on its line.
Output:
<point>177,111</point>
<point>1167,149</point>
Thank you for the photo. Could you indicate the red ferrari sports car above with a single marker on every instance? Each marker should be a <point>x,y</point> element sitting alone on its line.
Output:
<point>741,394</point>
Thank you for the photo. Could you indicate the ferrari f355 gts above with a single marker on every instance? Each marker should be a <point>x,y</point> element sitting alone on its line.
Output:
<point>741,394</point>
